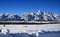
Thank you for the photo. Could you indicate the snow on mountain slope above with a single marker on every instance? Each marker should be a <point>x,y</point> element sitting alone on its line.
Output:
<point>39,16</point>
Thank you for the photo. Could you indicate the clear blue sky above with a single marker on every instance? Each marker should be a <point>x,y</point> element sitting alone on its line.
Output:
<point>20,6</point>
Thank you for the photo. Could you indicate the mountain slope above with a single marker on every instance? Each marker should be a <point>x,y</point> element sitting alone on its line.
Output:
<point>39,16</point>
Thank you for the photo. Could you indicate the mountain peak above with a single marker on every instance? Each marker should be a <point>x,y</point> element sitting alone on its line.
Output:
<point>39,16</point>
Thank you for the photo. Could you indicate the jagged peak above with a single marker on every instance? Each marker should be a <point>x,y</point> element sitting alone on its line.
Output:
<point>41,16</point>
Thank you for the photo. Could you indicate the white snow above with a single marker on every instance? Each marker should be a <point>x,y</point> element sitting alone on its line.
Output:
<point>31,28</point>
<point>47,16</point>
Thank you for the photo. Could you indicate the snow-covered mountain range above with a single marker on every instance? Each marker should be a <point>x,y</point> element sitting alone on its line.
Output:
<point>39,16</point>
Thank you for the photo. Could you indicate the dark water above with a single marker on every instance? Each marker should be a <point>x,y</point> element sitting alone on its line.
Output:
<point>41,34</point>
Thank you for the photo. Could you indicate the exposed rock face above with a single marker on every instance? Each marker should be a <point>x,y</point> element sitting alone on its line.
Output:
<point>39,16</point>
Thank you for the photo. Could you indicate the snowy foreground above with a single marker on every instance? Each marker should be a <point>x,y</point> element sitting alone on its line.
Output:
<point>46,30</point>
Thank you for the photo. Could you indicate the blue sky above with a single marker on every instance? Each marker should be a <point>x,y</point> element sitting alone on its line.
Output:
<point>20,6</point>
